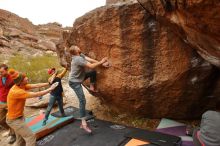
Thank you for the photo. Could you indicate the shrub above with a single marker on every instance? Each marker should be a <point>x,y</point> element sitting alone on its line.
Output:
<point>34,67</point>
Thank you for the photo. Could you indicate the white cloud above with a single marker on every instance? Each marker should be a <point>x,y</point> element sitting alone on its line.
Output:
<point>44,11</point>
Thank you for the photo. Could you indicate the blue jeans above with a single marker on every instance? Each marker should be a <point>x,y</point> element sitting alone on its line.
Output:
<point>77,87</point>
<point>52,101</point>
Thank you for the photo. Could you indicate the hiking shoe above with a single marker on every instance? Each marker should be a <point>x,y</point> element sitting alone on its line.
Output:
<point>11,139</point>
<point>44,123</point>
<point>86,128</point>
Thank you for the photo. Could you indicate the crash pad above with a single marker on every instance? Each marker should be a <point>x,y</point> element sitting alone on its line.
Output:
<point>104,134</point>
<point>154,138</point>
<point>53,123</point>
<point>136,142</point>
<point>175,128</point>
<point>73,111</point>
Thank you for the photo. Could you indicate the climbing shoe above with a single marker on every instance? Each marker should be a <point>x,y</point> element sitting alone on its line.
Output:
<point>44,123</point>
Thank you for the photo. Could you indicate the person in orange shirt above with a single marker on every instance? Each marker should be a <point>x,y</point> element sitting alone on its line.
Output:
<point>16,102</point>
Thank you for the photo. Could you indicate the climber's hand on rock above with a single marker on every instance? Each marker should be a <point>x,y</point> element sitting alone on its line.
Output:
<point>105,59</point>
<point>106,64</point>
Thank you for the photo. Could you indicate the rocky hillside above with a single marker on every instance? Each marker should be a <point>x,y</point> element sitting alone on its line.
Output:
<point>20,36</point>
<point>164,55</point>
<point>109,2</point>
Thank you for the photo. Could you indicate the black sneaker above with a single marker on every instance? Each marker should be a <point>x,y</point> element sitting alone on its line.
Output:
<point>63,115</point>
<point>44,123</point>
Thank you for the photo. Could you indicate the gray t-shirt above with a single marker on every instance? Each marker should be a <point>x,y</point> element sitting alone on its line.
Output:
<point>210,128</point>
<point>77,73</point>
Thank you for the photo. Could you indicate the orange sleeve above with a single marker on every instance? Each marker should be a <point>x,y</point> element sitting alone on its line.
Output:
<point>21,94</point>
<point>28,86</point>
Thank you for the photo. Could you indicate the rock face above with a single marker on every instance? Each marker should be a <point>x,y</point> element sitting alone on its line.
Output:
<point>163,57</point>
<point>21,36</point>
<point>199,20</point>
<point>111,1</point>
<point>118,1</point>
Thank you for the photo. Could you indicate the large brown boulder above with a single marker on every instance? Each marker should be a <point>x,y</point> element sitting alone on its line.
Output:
<point>199,20</point>
<point>156,70</point>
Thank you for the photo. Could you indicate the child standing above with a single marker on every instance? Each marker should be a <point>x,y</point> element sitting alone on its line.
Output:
<point>56,94</point>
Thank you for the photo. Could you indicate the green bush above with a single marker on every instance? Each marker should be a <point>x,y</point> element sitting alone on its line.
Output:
<point>34,67</point>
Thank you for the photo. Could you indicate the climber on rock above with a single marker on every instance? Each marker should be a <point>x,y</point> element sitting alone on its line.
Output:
<point>78,74</point>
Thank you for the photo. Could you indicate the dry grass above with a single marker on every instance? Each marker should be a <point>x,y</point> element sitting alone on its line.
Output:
<point>34,67</point>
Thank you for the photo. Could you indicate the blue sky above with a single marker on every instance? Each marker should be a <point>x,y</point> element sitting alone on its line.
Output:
<point>44,11</point>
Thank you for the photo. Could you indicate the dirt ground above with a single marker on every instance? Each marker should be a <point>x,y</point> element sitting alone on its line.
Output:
<point>100,111</point>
